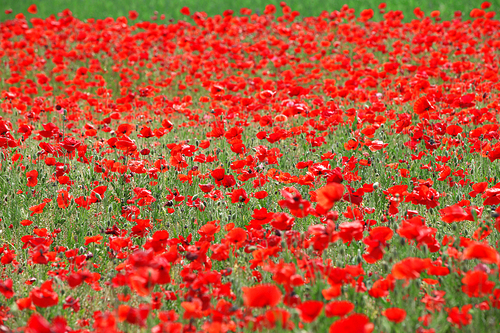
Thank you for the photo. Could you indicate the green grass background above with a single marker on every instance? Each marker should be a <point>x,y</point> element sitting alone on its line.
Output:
<point>99,9</point>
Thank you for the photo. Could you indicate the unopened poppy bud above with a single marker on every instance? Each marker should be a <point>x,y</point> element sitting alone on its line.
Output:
<point>359,258</point>
<point>376,185</point>
<point>252,248</point>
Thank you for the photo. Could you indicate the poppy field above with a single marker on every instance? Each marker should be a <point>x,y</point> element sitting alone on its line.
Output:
<point>249,172</point>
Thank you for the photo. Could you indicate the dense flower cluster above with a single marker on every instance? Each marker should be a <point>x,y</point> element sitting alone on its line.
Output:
<point>250,172</point>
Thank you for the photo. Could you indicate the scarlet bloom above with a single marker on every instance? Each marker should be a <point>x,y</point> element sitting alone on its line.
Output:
<point>309,310</point>
<point>283,221</point>
<point>236,236</point>
<point>24,303</point>
<point>366,14</point>
<point>6,288</point>
<point>395,315</point>
<point>70,144</point>
<point>93,239</point>
<point>355,323</point>
<point>64,199</point>
<point>422,105</point>
<point>476,284</point>
<point>260,195</point>
<point>70,302</point>
<point>454,130</point>
<point>32,9</point>
<point>338,308</point>
<point>410,268</point>
<point>458,317</point>
<point>481,251</point>
<point>453,213</point>
<point>239,195</point>
<point>32,178</point>
<point>185,11</point>
<point>135,316</point>
<point>376,242</point>
<point>26,223</point>
<point>261,296</point>
<point>37,324</point>
<point>44,296</point>
<point>327,195</point>
<point>206,188</point>
<point>38,209</point>
<point>133,15</point>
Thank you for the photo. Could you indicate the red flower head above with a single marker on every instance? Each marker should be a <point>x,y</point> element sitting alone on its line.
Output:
<point>44,296</point>
<point>396,315</point>
<point>326,196</point>
<point>261,296</point>
<point>355,323</point>
<point>309,310</point>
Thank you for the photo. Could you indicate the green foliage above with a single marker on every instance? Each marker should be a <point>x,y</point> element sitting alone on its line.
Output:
<point>100,9</point>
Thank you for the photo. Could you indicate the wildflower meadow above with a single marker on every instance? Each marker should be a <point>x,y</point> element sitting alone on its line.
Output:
<point>250,171</point>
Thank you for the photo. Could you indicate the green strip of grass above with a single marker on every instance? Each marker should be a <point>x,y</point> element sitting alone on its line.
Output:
<point>100,9</point>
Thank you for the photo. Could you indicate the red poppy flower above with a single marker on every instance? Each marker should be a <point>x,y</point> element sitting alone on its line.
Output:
<point>70,144</point>
<point>395,315</point>
<point>326,196</point>
<point>32,9</point>
<point>32,178</point>
<point>93,239</point>
<point>485,253</point>
<point>228,181</point>
<point>283,221</point>
<point>133,15</point>
<point>44,296</point>
<point>135,316</point>
<point>260,195</point>
<point>476,284</point>
<point>309,310</point>
<point>261,296</point>
<point>338,308</point>
<point>64,199</point>
<point>453,213</point>
<point>355,323</point>
<point>6,288</point>
<point>376,243</point>
<point>422,105</point>
<point>24,303</point>
<point>410,268</point>
<point>478,188</point>
<point>236,236</point>
<point>366,14</point>
<point>38,209</point>
<point>454,130</point>
<point>70,302</point>
<point>239,195</point>
<point>460,318</point>
<point>206,188</point>
<point>26,223</point>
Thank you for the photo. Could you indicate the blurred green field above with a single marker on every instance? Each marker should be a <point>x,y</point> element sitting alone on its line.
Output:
<point>99,9</point>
